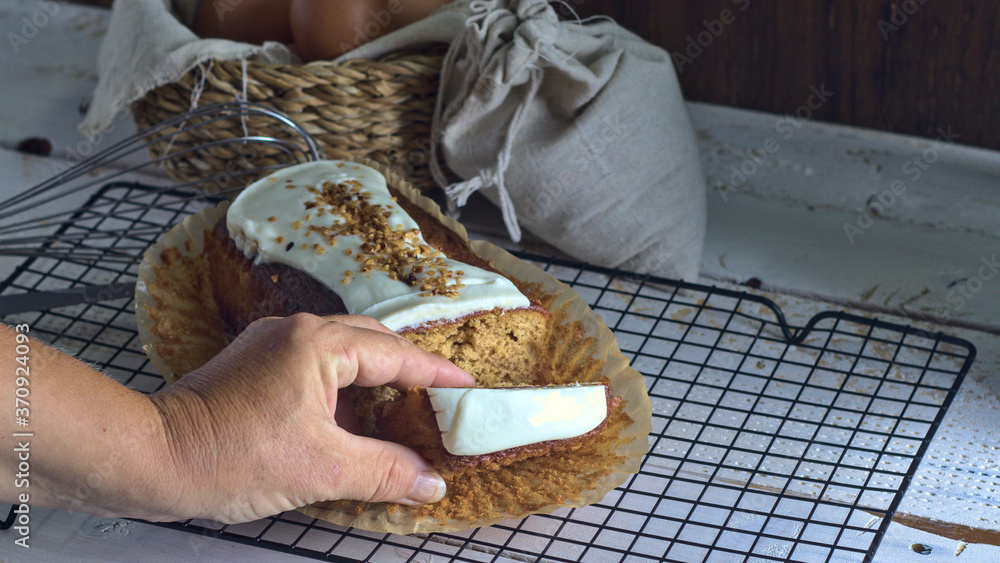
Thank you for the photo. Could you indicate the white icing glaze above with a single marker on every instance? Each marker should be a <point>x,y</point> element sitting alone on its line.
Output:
<point>285,196</point>
<point>482,421</point>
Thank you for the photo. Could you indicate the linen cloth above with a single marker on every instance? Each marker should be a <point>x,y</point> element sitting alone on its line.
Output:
<point>149,44</point>
<point>576,130</point>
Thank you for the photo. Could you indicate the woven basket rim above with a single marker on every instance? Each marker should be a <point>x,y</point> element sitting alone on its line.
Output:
<point>395,58</point>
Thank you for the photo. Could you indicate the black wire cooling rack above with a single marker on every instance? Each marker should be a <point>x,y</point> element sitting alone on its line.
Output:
<point>768,444</point>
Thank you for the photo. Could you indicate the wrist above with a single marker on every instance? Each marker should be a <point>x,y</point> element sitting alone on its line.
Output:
<point>112,460</point>
<point>182,452</point>
<point>137,475</point>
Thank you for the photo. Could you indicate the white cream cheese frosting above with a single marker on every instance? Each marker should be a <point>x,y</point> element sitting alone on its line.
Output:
<point>337,221</point>
<point>483,421</point>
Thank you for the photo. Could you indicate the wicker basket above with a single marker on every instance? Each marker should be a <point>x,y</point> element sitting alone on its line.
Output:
<point>377,109</point>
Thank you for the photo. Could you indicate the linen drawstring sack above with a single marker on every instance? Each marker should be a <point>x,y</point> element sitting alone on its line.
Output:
<point>577,131</point>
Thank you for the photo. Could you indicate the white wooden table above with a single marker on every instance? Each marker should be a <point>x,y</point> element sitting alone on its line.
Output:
<point>824,216</point>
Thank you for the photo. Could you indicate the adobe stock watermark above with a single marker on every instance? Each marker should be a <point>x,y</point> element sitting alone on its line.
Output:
<point>223,7</point>
<point>648,265</point>
<point>899,16</point>
<point>582,162</point>
<point>565,8</point>
<point>31,24</point>
<point>22,437</point>
<point>376,25</point>
<point>696,44</point>
<point>86,147</point>
<point>960,292</point>
<point>90,145</point>
<point>786,127</point>
<point>878,205</point>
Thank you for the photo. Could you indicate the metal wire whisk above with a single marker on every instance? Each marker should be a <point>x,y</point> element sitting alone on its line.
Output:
<point>106,231</point>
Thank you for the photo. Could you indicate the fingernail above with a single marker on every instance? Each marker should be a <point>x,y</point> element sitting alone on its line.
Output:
<point>428,489</point>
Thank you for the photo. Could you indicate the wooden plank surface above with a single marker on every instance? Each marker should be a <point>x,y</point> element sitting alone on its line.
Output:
<point>48,78</point>
<point>58,535</point>
<point>878,220</point>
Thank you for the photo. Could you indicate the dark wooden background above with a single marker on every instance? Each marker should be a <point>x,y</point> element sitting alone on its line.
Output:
<point>931,65</point>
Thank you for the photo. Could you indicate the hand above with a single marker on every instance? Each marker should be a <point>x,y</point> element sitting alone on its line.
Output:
<point>255,431</point>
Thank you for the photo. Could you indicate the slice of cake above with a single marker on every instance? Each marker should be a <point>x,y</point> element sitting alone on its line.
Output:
<point>478,429</point>
<point>331,237</point>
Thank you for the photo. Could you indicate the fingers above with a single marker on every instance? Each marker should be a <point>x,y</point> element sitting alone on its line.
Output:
<point>345,416</point>
<point>360,321</point>
<point>364,354</point>
<point>387,472</point>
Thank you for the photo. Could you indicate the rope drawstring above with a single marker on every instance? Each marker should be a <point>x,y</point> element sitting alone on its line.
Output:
<point>243,100</point>
<point>458,193</point>
<point>196,91</point>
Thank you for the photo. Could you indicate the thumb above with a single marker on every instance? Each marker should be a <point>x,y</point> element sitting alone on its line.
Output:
<point>387,472</point>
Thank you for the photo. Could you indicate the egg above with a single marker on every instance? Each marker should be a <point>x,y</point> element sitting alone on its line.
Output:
<point>247,21</point>
<point>314,29</point>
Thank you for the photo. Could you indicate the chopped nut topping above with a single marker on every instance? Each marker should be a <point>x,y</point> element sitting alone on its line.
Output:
<point>386,247</point>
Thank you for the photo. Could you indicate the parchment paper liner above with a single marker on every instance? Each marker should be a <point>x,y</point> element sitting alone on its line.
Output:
<point>165,307</point>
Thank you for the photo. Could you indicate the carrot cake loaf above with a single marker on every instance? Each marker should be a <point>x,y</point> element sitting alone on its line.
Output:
<point>331,237</point>
<point>540,430</point>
